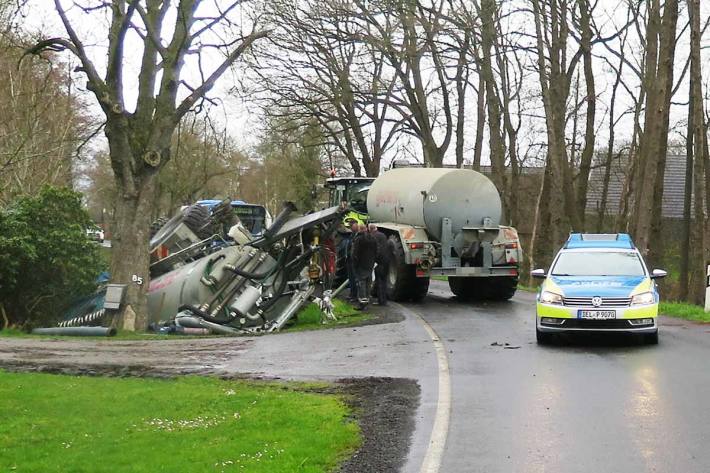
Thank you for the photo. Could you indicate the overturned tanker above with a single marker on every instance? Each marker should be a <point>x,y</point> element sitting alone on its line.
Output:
<point>254,285</point>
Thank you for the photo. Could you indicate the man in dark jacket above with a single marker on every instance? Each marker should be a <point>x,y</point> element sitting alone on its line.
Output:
<point>347,243</point>
<point>383,263</point>
<point>364,256</point>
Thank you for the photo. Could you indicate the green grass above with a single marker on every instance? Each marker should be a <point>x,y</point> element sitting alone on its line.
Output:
<point>310,317</point>
<point>685,311</point>
<point>54,423</point>
<point>440,278</point>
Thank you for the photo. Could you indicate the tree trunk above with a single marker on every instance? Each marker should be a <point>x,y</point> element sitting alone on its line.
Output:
<point>591,100</point>
<point>660,55</point>
<point>697,272</point>
<point>480,123</point>
<point>495,132</point>
<point>541,242</point>
<point>687,206</point>
<point>130,258</point>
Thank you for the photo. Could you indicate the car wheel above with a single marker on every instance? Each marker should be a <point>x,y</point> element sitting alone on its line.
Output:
<point>651,338</point>
<point>543,338</point>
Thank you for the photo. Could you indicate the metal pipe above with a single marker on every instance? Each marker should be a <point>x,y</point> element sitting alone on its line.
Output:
<point>297,301</point>
<point>77,331</point>
<point>198,322</point>
<point>339,290</point>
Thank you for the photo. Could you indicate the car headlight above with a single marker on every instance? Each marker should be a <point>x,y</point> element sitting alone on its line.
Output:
<point>644,298</point>
<point>548,297</point>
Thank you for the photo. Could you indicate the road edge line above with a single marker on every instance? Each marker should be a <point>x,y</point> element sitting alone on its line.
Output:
<point>440,430</point>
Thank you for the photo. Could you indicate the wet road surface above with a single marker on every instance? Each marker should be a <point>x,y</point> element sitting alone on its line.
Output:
<point>589,404</point>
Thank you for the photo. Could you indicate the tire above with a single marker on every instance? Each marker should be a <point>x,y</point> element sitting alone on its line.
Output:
<point>651,338</point>
<point>402,281</point>
<point>157,225</point>
<point>420,289</point>
<point>542,337</point>
<point>197,218</point>
<point>502,288</point>
<point>464,288</point>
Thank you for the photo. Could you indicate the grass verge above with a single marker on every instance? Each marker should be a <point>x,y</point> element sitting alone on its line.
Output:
<point>685,311</point>
<point>55,423</point>
<point>310,317</point>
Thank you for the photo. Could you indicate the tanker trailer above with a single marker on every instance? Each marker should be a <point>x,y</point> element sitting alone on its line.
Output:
<point>259,285</point>
<point>444,222</point>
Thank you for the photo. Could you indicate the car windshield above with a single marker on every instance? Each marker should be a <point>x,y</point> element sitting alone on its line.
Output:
<point>597,263</point>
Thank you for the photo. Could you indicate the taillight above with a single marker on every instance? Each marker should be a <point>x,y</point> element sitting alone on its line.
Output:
<point>511,246</point>
<point>416,246</point>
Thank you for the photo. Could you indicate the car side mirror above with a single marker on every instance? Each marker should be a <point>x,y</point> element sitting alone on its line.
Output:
<point>658,274</point>
<point>538,273</point>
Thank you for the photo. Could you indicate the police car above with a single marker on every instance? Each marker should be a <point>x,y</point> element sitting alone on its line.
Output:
<point>600,283</point>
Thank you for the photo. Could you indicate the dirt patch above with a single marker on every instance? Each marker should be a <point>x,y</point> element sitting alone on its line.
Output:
<point>388,314</point>
<point>385,409</point>
<point>106,357</point>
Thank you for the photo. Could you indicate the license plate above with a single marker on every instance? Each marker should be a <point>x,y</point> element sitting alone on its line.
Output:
<point>597,314</point>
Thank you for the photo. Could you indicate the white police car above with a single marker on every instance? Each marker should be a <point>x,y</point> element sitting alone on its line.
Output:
<point>598,282</point>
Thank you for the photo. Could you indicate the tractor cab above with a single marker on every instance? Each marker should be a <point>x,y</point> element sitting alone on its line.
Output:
<point>351,192</point>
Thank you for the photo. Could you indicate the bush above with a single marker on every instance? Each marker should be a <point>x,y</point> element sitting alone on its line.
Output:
<point>46,259</point>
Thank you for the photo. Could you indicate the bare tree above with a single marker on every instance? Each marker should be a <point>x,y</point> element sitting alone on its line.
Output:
<point>698,248</point>
<point>314,67</point>
<point>409,35</point>
<point>660,40</point>
<point>140,141</point>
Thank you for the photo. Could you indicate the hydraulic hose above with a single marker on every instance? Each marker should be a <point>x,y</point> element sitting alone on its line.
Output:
<point>204,315</point>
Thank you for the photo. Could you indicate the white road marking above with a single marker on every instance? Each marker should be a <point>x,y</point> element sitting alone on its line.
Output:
<point>440,430</point>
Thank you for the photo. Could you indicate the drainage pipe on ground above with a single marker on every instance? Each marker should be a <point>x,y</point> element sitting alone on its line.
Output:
<point>77,331</point>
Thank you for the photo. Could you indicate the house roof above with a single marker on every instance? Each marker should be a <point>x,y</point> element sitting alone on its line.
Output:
<point>673,186</point>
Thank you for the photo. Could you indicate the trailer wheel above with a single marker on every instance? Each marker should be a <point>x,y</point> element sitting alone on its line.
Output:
<point>502,288</point>
<point>420,288</point>
<point>464,288</point>
<point>402,281</point>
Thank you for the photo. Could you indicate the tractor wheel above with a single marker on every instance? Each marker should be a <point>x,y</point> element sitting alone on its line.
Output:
<point>198,219</point>
<point>157,225</point>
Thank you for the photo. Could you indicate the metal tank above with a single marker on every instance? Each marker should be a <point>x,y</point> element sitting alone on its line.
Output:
<point>424,196</point>
<point>210,278</point>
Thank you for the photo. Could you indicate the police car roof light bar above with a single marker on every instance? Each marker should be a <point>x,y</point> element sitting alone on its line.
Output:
<point>599,240</point>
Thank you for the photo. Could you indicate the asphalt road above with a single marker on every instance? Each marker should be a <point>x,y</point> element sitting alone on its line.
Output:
<point>590,404</point>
